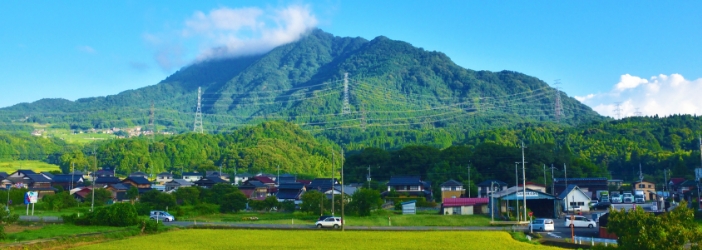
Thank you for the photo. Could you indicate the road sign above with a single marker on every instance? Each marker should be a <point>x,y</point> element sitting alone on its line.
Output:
<point>531,213</point>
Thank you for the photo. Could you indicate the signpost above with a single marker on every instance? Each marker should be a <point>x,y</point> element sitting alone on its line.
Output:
<point>530,227</point>
<point>30,197</point>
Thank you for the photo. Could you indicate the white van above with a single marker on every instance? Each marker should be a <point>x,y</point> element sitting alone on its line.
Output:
<point>541,224</point>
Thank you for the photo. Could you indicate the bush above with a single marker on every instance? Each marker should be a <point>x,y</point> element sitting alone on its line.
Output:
<point>117,215</point>
<point>143,209</point>
<point>288,206</point>
<point>205,208</point>
<point>148,226</point>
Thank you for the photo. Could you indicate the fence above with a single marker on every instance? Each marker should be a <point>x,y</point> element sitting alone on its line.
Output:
<point>593,240</point>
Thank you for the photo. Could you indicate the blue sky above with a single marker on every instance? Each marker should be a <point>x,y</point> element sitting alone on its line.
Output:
<point>644,54</point>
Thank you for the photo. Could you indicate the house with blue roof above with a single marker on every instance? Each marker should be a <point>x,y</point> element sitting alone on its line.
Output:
<point>409,185</point>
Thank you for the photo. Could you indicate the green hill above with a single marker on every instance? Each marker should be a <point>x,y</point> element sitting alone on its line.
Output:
<point>397,94</point>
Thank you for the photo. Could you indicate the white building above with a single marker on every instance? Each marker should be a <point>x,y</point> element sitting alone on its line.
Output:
<point>574,199</point>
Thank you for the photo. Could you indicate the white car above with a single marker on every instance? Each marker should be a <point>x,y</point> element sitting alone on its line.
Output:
<point>580,221</point>
<point>161,216</point>
<point>542,225</point>
<point>334,222</point>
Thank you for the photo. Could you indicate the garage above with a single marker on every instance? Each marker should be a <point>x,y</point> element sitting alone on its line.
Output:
<point>541,204</point>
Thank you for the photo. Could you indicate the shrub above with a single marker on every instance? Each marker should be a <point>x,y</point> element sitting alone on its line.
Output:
<point>148,226</point>
<point>117,215</point>
<point>205,208</point>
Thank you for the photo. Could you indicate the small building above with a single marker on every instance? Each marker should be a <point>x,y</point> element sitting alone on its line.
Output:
<point>464,206</point>
<point>164,177</point>
<point>452,189</point>
<point>488,187</point>
<point>137,181</point>
<point>222,176</point>
<point>616,183</point>
<point>409,207</point>
<point>177,183</point>
<point>192,176</point>
<point>540,203</point>
<point>241,178</point>
<point>411,186</point>
<point>590,184</point>
<point>254,189</point>
<point>105,173</point>
<point>648,188</point>
<point>290,192</point>
<point>574,199</point>
<point>119,191</point>
<point>67,181</point>
<point>208,182</point>
<point>138,174</point>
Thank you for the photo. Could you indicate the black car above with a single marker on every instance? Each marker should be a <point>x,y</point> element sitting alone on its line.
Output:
<point>602,205</point>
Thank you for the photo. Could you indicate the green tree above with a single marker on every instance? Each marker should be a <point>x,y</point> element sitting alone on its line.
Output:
<point>187,195</point>
<point>365,200</point>
<point>638,229</point>
<point>101,196</point>
<point>6,218</point>
<point>271,202</point>
<point>311,202</point>
<point>133,194</point>
<point>158,200</point>
<point>233,202</point>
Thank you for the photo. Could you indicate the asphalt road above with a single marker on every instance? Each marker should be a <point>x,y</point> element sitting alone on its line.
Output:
<point>561,231</point>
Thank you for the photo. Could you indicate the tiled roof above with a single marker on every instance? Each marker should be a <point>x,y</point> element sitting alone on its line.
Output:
<point>192,174</point>
<point>457,202</point>
<point>322,184</point>
<point>291,185</point>
<point>263,179</point>
<point>582,179</point>
<point>180,182</point>
<point>107,180</point>
<point>120,186</point>
<point>451,183</point>
<point>66,178</point>
<point>137,180</point>
<point>38,178</point>
<point>165,174</point>
<point>405,180</point>
<point>287,194</point>
<point>138,174</point>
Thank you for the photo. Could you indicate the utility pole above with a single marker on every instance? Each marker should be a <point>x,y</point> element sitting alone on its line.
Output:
<point>524,181</point>
<point>640,173</point>
<point>565,177</point>
<point>369,177</point>
<point>468,180</point>
<point>92,202</point>
<point>553,182</point>
<point>343,223</point>
<point>73,169</point>
<point>545,184</point>
<point>558,107</point>
<point>333,188</point>
<point>516,187</point>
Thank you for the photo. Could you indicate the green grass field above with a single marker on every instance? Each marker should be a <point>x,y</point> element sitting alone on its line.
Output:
<point>78,138</point>
<point>57,230</point>
<point>36,166</point>
<point>317,239</point>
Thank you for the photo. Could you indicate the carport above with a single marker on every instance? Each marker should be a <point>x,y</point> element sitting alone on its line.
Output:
<point>542,204</point>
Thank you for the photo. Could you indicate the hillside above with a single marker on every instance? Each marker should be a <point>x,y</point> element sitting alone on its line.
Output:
<point>406,94</point>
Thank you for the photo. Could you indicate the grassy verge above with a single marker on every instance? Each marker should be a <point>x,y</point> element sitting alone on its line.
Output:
<point>317,239</point>
<point>57,230</point>
<point>36,166</point>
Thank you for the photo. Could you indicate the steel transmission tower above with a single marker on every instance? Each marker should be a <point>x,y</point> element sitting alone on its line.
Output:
<point>363,118</point>
<point>559,107</point>
<point>346,108</point>
<point>151,119</point>
<point>197,126</point>
<point>618,110</point>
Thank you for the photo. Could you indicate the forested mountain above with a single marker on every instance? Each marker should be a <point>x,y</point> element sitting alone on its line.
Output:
<point>397,95</point>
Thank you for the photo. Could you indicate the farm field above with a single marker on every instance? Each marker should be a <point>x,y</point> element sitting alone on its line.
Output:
<point>317,239</point>
<point>78,138</point>
<point>377,219</point>
<point>36,166</point>
<point>24,233</point>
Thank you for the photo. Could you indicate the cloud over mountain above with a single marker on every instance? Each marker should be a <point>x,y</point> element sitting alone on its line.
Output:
<point>659,95</point>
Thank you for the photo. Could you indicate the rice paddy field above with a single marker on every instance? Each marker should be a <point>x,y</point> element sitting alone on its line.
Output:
<point>36,166</point>
<point>317,239</point>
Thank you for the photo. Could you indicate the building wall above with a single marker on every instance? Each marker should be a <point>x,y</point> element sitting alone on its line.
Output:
<point>452,194</point>
<point>648,188</point>
<point>580,198</point>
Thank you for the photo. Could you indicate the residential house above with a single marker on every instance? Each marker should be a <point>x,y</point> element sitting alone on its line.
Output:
<point>464,206</point>
<point>81,194</point>
<point>119,191</point>
<point>534,186</point>
<point>254,189</point>
<point>322,184</point>
<point>138,174</point>
<point>265,180</point>
<point>349,190</point>
<point>3,175</point>
<point>67,181</point>
<point>40,184</point>
<point>164,178</point>
<point>103,182</point>
<point>574,199</point>
<point>137,181</point>
<point>47,175</point>
<point>223,176</point>
<point>411,186</point>
<point>106,172</point>
<point>241,178</point>
<point>648,188</point>
<point>208,182</point>
<point>177,183</point>
<point>192,176</point>
<point>592,184</point>
<point>286,178</point>
<point>452,189</point>
<point>291,191</point>
<point>270,176</point>
<point>488,187</point>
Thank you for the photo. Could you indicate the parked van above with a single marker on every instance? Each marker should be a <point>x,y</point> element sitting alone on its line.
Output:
<point>541,224</point>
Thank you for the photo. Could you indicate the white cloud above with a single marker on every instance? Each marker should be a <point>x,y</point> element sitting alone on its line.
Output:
<point>86,49</point>
<point>227,32</point>
<point>661,95</point>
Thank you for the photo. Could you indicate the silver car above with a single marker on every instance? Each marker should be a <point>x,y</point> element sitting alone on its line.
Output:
<point>161,216</point>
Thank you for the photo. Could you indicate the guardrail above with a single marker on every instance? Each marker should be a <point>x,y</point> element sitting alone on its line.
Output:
<point>592,240</point>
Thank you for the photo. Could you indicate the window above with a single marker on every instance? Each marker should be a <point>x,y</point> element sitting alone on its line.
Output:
<point>649,186</point>
<point>642,185</point>
<point>456,210</point>
<point>414,188</point>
